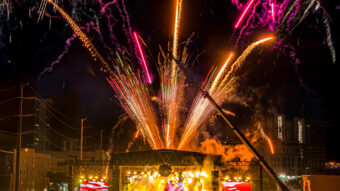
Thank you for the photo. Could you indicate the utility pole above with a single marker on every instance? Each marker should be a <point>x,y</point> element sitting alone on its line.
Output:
<point>101,139</point>
<point>17,168</point>
<point>81,137</point>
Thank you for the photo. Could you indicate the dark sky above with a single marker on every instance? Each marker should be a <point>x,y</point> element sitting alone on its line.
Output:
<point>79,89</point>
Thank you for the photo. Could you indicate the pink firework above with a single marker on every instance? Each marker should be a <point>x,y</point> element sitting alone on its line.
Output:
<point>145,66</point>
<point>243,14</point>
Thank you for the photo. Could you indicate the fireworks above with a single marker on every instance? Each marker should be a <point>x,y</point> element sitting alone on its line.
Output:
<point>201,109</point>
<point>130,90</point>
<point>176,32</point>
<point>82,36</point>
<point>243,56</point>
<point>134,98</point>
<point>159,127</point>
<point>145,66</point>
<point>244,13</point>
<point>170,95</point>
<point>273,11</point>
<point>266,138</point>
<point>171,119</point>
<point>219,75</point>
<point>271,146</point>
<point>329,38</point>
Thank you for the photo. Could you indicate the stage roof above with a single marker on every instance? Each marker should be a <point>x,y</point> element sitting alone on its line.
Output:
<point>158,157</point>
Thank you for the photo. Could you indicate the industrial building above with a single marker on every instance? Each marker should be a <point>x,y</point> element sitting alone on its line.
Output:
<point>33,170</point>
<point>295,152</point>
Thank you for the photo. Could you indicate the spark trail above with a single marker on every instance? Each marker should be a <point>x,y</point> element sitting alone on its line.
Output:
<point>145,65</point>
<point>84,39</point>
<point>243,57</point>
<point>131,91</point>
<point>170,96</point>
<point>134,98</point>
<point>171,121</point>
<point>50,68</point>
<point>244,13</point>
<point>201,108</point>
<point>273,11</point>
<point>266,138</point>
<point>219,75</point>
<point>176,33</point>
<point>329,38</point>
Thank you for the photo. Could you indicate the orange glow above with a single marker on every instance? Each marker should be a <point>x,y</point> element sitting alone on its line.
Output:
<point>213,86</point>
<point>271,37</point>
<point>271,146</point>
<point>136,134</point>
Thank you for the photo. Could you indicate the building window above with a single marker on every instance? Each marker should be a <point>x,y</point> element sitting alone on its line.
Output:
<point>300,131</point>
<point>279,126</point>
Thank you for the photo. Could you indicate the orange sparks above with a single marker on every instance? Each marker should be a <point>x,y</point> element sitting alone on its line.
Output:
<point>271,146</point>
<point>176,30</point>
<point>229,113</point>
<point>136,134</point>
<point>213,86</point>
<point>83,38</point>
<point>265,39</point>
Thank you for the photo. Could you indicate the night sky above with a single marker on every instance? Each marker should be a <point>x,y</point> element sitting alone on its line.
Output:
<point>79,89</point>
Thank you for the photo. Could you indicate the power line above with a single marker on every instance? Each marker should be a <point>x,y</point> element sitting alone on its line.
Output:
<point>54,109</point>
<point>7,117</point>
<point>23,115</point>
<point>49,111</point>
<point>9,152</point>
<point>61,121</point>
<point>44,104</point>
<point>8,100</point>
<point>54,130</point>
<point>48,141</point>
<point>7,89</point>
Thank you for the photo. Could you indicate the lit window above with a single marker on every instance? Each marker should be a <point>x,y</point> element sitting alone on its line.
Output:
<point>279,127</point>
<point>300,131</point>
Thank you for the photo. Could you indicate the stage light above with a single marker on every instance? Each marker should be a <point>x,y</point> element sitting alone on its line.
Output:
<point>189,180</point>
<point>204,174</point>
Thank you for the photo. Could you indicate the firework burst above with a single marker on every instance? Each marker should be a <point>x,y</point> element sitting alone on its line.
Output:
<point>132,89</point>
<point>134,98</point>
<point>201,108</point>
